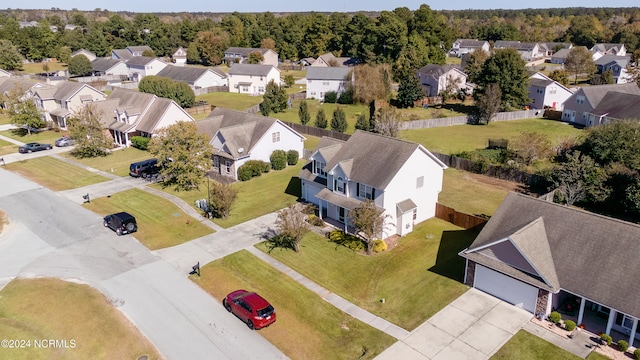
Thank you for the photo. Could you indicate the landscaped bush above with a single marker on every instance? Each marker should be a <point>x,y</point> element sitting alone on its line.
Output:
<point>316,221</point>
<point>252,168</point>
<point>347,240</point>
<point>140,142</point>
<point>555,317</point>
<point>636,353</point>
<point>379,246</point>
<point>278,159</point>
<point>606,338</point>
<point>569,325</point>
<point>623,345</point>
<point>331,97</point>
<point>292,157</point>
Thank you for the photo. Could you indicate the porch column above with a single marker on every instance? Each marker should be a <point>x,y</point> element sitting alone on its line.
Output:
<point>581,313</point>
<point>320,210</point>
<point>634,327</point>
<point>612,315</point>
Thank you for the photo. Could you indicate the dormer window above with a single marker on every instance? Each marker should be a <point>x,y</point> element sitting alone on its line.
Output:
<point>318,168</point>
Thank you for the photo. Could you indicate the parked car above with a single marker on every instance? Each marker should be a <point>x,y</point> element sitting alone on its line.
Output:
<point>121,223</point>
<point>144,168</point>
<point>251,308</point>
<point>65,141</point>
<point>34,146</point>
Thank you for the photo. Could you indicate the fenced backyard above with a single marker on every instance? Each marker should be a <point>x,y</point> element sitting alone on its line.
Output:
<point>457,218</point>
<point>461,120</point>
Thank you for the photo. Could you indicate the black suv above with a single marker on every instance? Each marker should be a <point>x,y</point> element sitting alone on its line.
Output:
<point>121,223</point>
<point>144,168</point>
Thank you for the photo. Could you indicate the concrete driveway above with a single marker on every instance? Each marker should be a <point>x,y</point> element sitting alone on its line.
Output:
<point>472,327</point>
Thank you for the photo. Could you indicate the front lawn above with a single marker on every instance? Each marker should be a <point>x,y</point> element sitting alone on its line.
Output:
<point>473,194</point>
<point>4,118</point>
<point>455,139</point>
<point>7,147</point>
<point>230,100</point>
<point>526,346</point>
<point>45,136</point>
<point>39,309</point>
<point>307,327</point>
<point>417,278</point>
<point>160,223</point>
<point>117,162</point>
<point>54,174</point>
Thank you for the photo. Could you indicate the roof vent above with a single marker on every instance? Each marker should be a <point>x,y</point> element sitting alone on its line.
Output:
<point>240,150</point>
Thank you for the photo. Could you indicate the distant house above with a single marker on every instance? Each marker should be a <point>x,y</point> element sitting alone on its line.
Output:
<point>126,113</point>
<point>436,78</point>
<point>239,55</point>
<point>528,51</point>
<point>609,49</point>
<point>560,56</point>
<point>307,61</point>
<point>466,46</point>
<point>24,24</point>
<point>237,137</point>
<point>180,56</point>
<point>618,66</point>
<point>321,80</point>
<point>550,48</point>
<point>402,178</point>
<point>88,54</point>
<point>545,92</point>
<point>141,66</point>
<point>615,106</point>
<point>252,79</point>
<point>585,99</point>
<point>109,66</point>
<point>57,103</point>
<point>521,256</point>
<point>129,52</point>
<point>196,77</point>
<point>330,60</point>
<point>10,84</point>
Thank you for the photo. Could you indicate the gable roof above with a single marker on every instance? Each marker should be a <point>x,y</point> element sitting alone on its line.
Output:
<point>188,74</point>
<point>83,52</point>
<point>62,91</point>
<point>104,64</point>
<point>122,54</point>
<point>604,47</point>
<point>607,59</point>
<point>328,58</point>
<point>561,54</point>
<point>591,254</point>
<point>618,105</point>
<point>373,159</point>
<point>246,51</point>
<point>138,48</point>
<point>501,44</point>
<point>327,73</point>
<point>250,69</point>
<point>240,130</point>
<point>140,60</point>
<point>9,84</point>
<point>471,43</point>
<point>438,70</point>
<point>595,93</point>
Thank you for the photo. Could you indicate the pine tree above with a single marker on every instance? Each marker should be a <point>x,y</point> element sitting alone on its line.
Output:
<point>339,120</point>
<point>362,123</point>
<point>409,91</point>
<point>321,119</point>
<point>303,113</point>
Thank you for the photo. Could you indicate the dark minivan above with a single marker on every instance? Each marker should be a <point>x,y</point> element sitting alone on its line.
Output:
<point>121,223</point>
<point>144,168</point>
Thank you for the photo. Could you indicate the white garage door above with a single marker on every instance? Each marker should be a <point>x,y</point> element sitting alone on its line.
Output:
<point>506,288</point>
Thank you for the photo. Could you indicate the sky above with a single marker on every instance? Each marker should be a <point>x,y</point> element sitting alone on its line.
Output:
<point>298,6</point>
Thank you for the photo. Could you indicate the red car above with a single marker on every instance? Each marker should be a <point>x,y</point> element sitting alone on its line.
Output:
<point>250,308</point>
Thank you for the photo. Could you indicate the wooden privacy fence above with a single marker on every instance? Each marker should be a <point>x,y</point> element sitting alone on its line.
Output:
<point>200,109</point>
<point>210,89</point>
<point>461,120</point>
<point>457,218</point>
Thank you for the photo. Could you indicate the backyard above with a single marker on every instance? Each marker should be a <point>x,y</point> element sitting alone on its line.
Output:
<point>424,265</point>
<point>307,327</point>
<point>54,174</point>
<point>229,100</point>
<point>37,309</point>
<point>473,193</point>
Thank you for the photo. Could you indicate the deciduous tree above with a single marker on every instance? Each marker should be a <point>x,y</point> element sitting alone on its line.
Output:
<point>291,227</point>
<point>222,197</point>
<point>184,153</point>
<point>579,62</point>
<point>475,62</point>
<point>369,222</point>
<point>507,69</point>
<point>386,122</point>
<point>321,119</point>
<point>10,57</point>
<point>22,110</point>
<point>79,65</point>
<point>488,103</point>
<point>85,128</point>
<point>531,146</point>
<point>560,76</point>
<point>255,57</point>
<point>578,176</point>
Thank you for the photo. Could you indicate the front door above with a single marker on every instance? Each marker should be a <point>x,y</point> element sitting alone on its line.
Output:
<point>341,214</point>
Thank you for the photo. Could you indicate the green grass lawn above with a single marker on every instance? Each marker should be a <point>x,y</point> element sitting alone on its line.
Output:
<point>417,278</point>
<point>160,223</point>
<point>471,193</point>
<point>526,346</point>
<point>54,174</point>
<point>307,327</point>
<point>55,309</point>
<point>4,118</point>
<point>7,147</point>
<point>229,100</point>
<point>47,136</point>
<point>259,196</point>
<point>351,111</point>
<point>34,68</point>
<point>117,162</point>
<point>455,139</point>
<point>310,143</point>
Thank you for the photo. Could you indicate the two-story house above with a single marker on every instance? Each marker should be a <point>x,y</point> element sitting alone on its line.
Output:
<point>129,52</point>
<point>321,80</point>
<point>128,113</point>
<point>437,78</point>
<point>180,56</point>
<point>109,66</point>
<point>613,107</point>
<point>545,92</point>
<point>57,103</point>
<point>617,65</point>
<point>252,79</point>
<point>402,178</point>
<point>196,77</point>
<point>527,51</point>
<point>237,137</point>
<point>240,55</point>
<point>141,66</point>
<point>609,49</point>
<point>587,98</point>
<point>466,46</point>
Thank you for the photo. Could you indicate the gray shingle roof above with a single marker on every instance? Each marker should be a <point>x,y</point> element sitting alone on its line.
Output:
<point>437,70</point>
<point>245,51</point>
<point>104,64</point>
<point>327,73</point>
<point>139,60</point>
<point>9,84</point>
<point>138,48</point>
<point>540,82</point>
<point>471,43</point>
<point>122,54</point>
<point>595,93</point>
<point>561,54</point>
<point>619,106</point>
<point>606,59</point>
<point>182,73</point>
<point>250,69</point>
<point>61,91</point>
<point>593,255</point>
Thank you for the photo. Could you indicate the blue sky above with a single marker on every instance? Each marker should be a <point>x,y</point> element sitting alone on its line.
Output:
<point>288,5</point>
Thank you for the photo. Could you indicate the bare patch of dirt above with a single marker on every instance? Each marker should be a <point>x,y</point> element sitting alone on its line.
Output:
<point>503,184</point>
<point>392,241</point>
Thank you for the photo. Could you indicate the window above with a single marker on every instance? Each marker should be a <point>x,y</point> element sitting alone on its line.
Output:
<point>318,168</point>
<point>552,90</point>
<point>365,191</point>
<point>415,214</point>
<point>325,83</point>
<point>419,182</point>
<point>227,163</point>
<point>245,89</point>
<point>275,137</point>
<point>216,162</point>
<point>321,95</point>
<point>580,99</point>
<point>261,89</point>
<point>338,185</point>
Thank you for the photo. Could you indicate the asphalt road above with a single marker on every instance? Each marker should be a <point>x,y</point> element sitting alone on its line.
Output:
<point>51,235</point>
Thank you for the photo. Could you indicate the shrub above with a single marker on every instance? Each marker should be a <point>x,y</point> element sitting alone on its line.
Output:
<point>315,221</point>
<point>347,240</point>
<point>252,168</point>
<point>606,339</point>
<point>278,159</point>
<point>636,354</point>
<point>379,246</point>
<point>346,97</point>
<point>555,317</point>
<point>292,157</point>
<point>140,142</point>
<point>623,345</point>
<point>244,173</point>
<point>569,325</point>
<point>331,97</point>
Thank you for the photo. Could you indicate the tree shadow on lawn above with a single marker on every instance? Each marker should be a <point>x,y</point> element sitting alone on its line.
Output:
<point>448,262</point>
<point>461,108</point>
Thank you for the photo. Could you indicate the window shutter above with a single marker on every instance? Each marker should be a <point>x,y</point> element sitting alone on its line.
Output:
<point>358,189</point>
<point>335,184</point>
<point>373,193</point>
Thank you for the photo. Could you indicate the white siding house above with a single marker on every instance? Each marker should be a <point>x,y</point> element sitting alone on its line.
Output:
<point>252,79</point>
<point>239,55</point>
<point>321,80</point>
<point>58,103</point>
<point>436,78</point>
<point>196,77</point>
<point>544,92</point>
<point>141,66</point>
